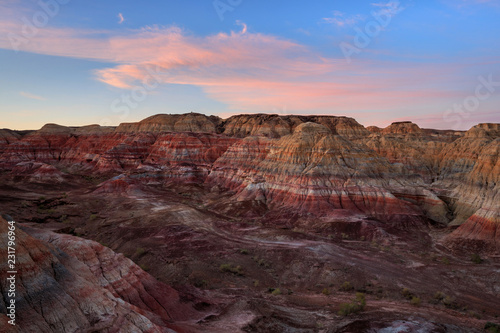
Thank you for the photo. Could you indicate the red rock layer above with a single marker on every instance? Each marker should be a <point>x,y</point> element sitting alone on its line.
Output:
<point>410,149</point>
<point>6,138</point>
<point>314,171</point>
<point>332,162</point>
<point>67,284</point>
<point>481,232</point>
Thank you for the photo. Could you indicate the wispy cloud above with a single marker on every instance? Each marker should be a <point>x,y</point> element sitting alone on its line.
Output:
<point>340,19</point>
<point>388,8</point>
<point>31,96</point>
<point>121,19</point>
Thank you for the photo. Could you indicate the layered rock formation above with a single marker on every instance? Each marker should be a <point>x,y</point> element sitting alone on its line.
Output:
<point>191,122</point>
<point>310,164</point>
<point>67,284</point>
<point>274,126</point>
<point>315,171</point>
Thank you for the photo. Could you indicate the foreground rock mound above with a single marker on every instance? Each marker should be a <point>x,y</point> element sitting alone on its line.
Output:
<point>67,284</point>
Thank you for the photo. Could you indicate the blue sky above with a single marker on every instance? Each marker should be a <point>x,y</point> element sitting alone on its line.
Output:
<point>120,61</point>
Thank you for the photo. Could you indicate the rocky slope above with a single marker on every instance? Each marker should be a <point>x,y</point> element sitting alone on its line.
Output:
<point>68,284</point>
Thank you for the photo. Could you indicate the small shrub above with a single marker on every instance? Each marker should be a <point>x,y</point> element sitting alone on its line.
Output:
<point>228,268</point>
<point>256,283</point>
<point>439,296</point>
<point>276,292</point>
<point>446,261</point>
<point>144,267</point>
<point>262,263</point>
<point>361,299</point>
<point>346,286</point>
<point>139,251</point>
<point>93,216</point>
<point>326,292</point>
<point>492,327</point>
<point>244,251</point>
<point>406,293</point>
<point>415,301</point>
<point>355,306</point>
<point>450,302</point>
<point>476,258</point>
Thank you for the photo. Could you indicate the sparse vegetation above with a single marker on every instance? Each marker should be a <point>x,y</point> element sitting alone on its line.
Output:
<point>261,262</point>
<point>326,291</point>
<point>450,302</point>
<point>144,267</point>
<point>228,268</point>
<point>355,306</point>
<point>476,258</point>
<point>276,292</point>
<point>406,293</point>
<point>256,283</point>
<point>492,327</point>
<point>447,301</point>
<point>140,251</point>
<point>92,217</point>
<point>439,296</point>
<point>415,301</point>
<point>346,286</point>
<point>244,251</point>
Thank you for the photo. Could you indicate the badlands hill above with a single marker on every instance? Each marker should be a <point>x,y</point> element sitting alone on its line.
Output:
<point>182,195</point>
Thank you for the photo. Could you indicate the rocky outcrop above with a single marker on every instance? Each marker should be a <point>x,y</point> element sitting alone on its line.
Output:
<point>318,172</point>
<point>470,168</point>
<point>190,122</point>
<point>480,233</point>
<point>402,127</point>
<point>67,284</point>
<point>274,126</point>
<point>38,172</point>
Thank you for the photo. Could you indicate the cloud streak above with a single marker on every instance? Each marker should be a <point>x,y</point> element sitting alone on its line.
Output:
<point>31,96</point>
<point>341,19</point>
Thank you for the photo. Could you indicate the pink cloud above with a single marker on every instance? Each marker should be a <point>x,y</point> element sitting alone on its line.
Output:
<point>250,72</point>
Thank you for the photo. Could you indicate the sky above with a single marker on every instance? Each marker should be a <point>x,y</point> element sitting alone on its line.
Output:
<point>74,62</point>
